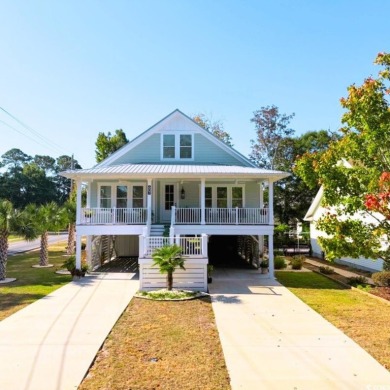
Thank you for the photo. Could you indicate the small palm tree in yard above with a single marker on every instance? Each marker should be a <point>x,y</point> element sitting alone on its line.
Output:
<point>35,221</point>
<point>6,210</point>
<point>168,258</point>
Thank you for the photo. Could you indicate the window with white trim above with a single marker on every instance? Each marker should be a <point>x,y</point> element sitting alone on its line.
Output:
<point>105,196</point>
<point>123,195</point>
<point>168,146</point>
<point>237,197</point>
<point>177,147</point>
<point>224,197</point>
<point>185,146</point>
<point>138,196</point>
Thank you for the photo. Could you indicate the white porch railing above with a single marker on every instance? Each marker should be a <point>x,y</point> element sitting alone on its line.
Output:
<point>115,216</point>
<point>191,246</point>
<point>188,216</point>
<point>221,216</point>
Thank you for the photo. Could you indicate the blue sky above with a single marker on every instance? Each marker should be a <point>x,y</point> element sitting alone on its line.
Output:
<point>70,69</point>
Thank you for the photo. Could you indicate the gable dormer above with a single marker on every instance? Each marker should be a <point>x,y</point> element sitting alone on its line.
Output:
<point>176,139</point>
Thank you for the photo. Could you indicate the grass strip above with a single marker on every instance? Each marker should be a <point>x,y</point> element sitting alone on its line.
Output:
<point>161,345</point>
<point>31,283</point>
<point>361,317</point>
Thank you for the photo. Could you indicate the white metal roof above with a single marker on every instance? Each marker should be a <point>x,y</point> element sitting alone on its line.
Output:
<point>173,171</point>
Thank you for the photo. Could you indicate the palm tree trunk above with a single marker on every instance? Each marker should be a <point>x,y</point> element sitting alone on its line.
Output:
<point>71,248</point>
<point>3,253</point>
<point>170,281</point>
<point>44,255</point>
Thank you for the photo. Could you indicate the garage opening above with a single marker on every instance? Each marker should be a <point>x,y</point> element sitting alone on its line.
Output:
<point>233,251</point>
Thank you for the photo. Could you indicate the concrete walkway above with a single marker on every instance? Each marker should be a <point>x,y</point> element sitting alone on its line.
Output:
<point>272,340</point>
<point>50,344</point>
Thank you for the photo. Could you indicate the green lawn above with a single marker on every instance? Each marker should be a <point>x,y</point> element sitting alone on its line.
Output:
<point>363,318</point>
<point>31,283</point>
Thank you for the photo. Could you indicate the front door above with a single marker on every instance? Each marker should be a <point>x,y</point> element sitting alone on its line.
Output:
<point>168,197</point>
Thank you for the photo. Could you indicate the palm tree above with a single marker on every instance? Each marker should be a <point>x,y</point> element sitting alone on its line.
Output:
<point>6,210</point>
<point>70,213</point>
<point>35,221</point>
<point>168,258</point>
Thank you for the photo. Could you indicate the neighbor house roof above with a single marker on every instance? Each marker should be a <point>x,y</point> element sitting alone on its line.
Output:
<point>314,205</point>
<point>173,171</point>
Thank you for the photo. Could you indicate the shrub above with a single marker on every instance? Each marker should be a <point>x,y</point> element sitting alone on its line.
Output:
<point>264,264</point>
<point>279,262</point>
<point>327,270</point>
<point>381,278</point>
<point>70,263</point>
<point>297,262</point>
<point>356,280</point>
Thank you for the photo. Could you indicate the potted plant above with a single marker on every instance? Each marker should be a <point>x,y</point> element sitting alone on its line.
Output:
<point>84,268</point>
<point>210,270</point>
<point>264,266</point>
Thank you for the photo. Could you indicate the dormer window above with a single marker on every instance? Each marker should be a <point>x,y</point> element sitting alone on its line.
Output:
<point>177,146</point>
<point>169,146</point>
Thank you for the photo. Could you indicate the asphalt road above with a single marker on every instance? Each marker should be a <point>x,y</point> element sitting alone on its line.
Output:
<point>25,246</point>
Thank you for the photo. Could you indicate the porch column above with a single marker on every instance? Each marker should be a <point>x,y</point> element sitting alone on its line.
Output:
<point>78,247</point>
<point>204,245</point>
<point>78,202</point>
<point>88,249</point>
<point>271,202</point>
<point>261,245</point>
<point>271,255</point>
<point>202,201</point>
<point>149,203</point>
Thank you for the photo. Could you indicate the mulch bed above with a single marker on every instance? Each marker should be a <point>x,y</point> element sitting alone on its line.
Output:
<point>383,292</point>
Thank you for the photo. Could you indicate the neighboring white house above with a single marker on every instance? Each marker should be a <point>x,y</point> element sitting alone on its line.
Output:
<point>315,212</point>
<point>179,179</point>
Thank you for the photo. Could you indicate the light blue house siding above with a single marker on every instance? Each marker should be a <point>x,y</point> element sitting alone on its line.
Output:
<point>252,194</point>
<point>206,152</point>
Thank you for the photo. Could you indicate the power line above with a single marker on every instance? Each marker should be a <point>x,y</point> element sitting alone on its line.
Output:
<point>48,142</point>
<point>20,132</point>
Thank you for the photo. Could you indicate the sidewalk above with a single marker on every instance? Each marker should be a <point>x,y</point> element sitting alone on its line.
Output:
<point>273,341</point>
<point>50,344</point>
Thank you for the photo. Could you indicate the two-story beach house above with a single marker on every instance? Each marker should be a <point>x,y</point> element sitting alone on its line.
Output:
<point>175,182</point>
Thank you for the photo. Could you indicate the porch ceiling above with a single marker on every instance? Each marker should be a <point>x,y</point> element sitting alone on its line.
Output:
<point>142,171</point>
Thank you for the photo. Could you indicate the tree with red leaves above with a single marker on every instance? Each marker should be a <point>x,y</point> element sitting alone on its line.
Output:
<point>355,173</point>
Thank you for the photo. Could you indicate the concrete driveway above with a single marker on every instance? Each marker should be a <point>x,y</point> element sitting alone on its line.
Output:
<point>272,340</point>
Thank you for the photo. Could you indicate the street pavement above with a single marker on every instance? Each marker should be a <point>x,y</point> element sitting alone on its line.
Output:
<point>25,246</point>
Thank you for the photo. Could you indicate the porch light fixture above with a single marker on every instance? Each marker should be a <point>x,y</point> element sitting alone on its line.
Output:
<point>182,193</point>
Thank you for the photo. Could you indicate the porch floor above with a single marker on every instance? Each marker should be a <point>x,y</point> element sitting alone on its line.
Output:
<point>120,265</point>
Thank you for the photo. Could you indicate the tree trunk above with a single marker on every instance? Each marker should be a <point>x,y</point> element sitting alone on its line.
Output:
<point>44,255</point>
<point>70,250</point>
<point>170,280</point>
<point>3,253</point>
